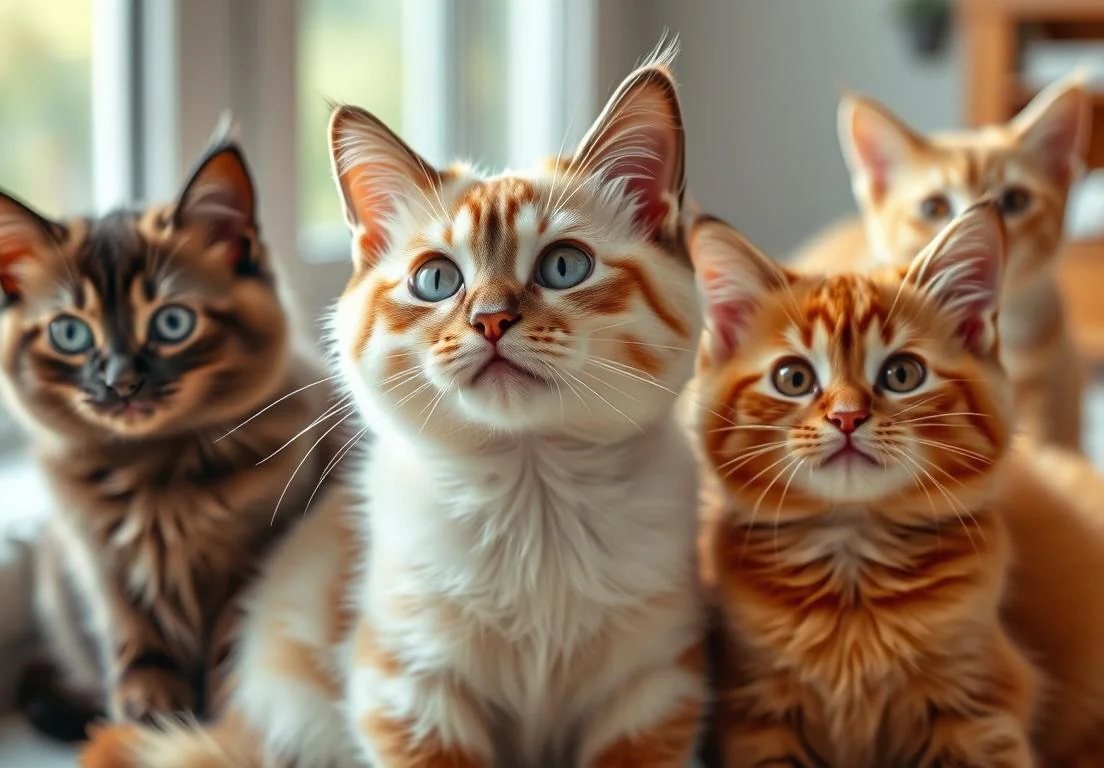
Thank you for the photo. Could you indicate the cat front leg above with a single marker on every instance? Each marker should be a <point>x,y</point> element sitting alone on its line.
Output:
<point>654,720</point>
<point>413,719</point>
<point>147,678</point>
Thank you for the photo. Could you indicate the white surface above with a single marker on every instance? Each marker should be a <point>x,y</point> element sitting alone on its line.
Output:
<point>21,748</point>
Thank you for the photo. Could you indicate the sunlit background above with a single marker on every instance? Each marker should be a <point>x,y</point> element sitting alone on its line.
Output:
<point>108,102</point>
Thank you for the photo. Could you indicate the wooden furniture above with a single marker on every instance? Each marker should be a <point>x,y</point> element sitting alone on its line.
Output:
<point>993,32</point>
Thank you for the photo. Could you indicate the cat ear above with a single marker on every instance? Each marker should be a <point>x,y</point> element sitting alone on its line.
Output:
<point>1054,127</point>
<point>876,143</point>
<point>961,271</point>
<point>734,277</point>
<point>220,200</point>
<point>638,142</point>
<point>373,168</point>
<point>24,234</point>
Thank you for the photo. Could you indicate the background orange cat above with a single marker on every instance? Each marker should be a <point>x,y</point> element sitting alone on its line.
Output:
<point>909,186</point>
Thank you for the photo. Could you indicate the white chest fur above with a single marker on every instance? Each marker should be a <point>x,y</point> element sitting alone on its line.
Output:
<point>515,568</point>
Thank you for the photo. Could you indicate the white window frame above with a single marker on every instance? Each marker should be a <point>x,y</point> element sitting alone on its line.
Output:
<point>191,45</point>
<point>114,102</point>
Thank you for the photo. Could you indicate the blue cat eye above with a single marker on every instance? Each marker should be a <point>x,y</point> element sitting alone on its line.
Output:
<point>172,324</point>
<point>563,265</point>
<point>436,280</point>
<point>70,336</point>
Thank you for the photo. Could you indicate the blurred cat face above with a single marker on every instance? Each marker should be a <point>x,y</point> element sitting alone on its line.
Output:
<point>910,186</point>
<point>141,324</point>
<point>558,300</point>
<point>881,389</point>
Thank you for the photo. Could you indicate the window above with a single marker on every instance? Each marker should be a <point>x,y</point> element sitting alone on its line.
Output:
<point>490,80</point>
<point>349,51</point>
<point>46,90</point>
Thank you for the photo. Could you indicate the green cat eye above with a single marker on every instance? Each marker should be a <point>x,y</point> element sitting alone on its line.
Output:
<point>902,373</point>
<point>563,265</point>
<point>794,378</point>
<point>70,336</point>
<point>436,280</point>
<point>172,324</point>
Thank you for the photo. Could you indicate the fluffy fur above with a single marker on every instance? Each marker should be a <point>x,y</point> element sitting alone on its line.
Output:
<point>859,426</point>
<point>131,347</point>
<point>908,186</point>
<point>520,586</point>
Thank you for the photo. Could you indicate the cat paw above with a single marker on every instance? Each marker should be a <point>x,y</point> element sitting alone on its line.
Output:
<point>146,695</point>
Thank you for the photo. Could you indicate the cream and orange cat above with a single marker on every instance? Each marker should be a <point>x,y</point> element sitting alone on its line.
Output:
<point>519,586</point>
<point>909,186</point>
<point>873,510</point>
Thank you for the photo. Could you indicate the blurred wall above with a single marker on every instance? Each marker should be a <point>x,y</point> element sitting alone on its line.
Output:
<point>760,80</point>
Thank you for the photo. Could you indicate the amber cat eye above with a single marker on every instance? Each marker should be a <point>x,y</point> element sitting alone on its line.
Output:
<point>1014,200</point>
<point>903,373</point>
<point>935,207</point>
<point>794,378</point>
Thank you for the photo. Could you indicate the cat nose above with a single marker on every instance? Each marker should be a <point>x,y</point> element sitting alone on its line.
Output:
<point>494,324</point>
<point>848,421</point>
<point>121,377</point>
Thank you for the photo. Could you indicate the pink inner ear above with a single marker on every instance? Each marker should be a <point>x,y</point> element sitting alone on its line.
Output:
<point>970,330</point>
<point>874,159</point>
<point>645,166</point>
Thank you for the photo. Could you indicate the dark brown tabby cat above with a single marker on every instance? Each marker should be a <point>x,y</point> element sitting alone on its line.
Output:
<point>131,347</point>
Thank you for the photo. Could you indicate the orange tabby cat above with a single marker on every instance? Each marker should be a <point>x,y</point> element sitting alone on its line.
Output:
<point>859,427</point>
<point>909,186</point>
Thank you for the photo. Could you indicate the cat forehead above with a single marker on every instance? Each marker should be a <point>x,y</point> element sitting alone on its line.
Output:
<point>974,160</point>
<point>848,313</point>
<point>109,259</point>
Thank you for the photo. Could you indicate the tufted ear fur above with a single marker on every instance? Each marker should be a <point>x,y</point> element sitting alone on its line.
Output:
<point>1054,127</point>
<point>876,143</point>
<point>638,141</point>
<point>961,272</point>
<point>373,168</point>
<point>219,199</point>
<point>734,277</point>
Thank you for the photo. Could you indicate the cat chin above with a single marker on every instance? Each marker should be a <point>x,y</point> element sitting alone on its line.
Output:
<point>853,482</point>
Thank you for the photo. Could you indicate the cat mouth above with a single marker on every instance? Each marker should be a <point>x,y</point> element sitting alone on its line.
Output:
<point>499,369</point>
<point>848,454</point>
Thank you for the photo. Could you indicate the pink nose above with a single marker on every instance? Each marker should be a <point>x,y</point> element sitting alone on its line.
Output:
<point>493,324</point>
<point>848,421</point>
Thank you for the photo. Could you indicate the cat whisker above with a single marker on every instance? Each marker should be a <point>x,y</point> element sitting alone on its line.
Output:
<point>964,452</point>
<point>782,499</point>
<point>303,461</point>
<point>274,403</point>
<point>329,413</point>
<point>334,462</point>
<point>583,384</point>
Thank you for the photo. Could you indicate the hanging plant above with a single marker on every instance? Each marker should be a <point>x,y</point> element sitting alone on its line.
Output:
<point>927,25</point>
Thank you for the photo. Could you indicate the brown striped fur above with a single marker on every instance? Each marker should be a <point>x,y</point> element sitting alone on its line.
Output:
<point>860,595</point>
<point>162,506</point>
<point>908,186</point>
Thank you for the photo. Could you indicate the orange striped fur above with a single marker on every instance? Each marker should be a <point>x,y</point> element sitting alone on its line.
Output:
<point>908,186</point>
<point>859,426</point>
